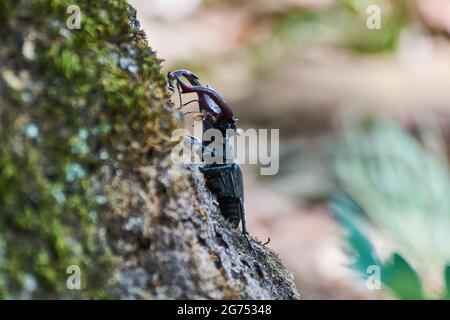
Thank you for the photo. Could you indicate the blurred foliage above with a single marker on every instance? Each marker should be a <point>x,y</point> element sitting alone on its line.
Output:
<point>399,186</point>
<point>395,273</point>
<point>345,23</point>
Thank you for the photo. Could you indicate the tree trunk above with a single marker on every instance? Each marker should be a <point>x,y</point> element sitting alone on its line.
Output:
<point>87,186</point>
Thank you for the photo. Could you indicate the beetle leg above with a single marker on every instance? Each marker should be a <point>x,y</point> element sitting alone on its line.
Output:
<point>189,112</point>
<point>185,104</point>
<point>245,235</point>
<point>244,226</point>
<point>199,116</point>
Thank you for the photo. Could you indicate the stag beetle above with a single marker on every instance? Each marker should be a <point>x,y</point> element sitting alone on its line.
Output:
<point>224,180</point>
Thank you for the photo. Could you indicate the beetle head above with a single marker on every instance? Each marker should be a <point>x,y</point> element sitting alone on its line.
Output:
<point>174,75</point>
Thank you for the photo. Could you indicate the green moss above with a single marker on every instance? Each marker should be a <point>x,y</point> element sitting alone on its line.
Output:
<point>89,91</point>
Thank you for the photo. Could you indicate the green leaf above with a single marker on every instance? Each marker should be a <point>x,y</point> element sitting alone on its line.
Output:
<point>447,283</point>
<point>347,214</point>
<point>398,275</point>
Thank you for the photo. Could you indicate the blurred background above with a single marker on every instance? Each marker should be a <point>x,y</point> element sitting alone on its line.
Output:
<point>364,119</point>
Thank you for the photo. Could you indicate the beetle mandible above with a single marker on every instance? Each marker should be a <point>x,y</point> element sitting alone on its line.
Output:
<point>224,180</point>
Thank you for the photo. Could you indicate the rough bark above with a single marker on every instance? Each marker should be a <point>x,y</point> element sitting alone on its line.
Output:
<point>85,173</point>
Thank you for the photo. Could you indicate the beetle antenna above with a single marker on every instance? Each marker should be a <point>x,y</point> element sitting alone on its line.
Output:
<point>184,105</point>
<point>179,94</point>
<point>267,242</point>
